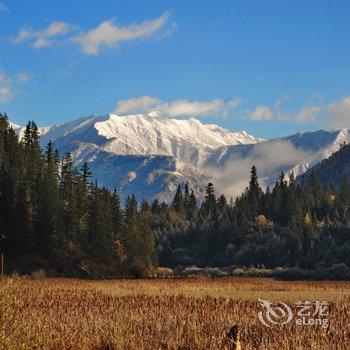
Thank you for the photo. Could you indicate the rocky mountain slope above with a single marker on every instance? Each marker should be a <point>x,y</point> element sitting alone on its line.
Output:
<point>149,155</point>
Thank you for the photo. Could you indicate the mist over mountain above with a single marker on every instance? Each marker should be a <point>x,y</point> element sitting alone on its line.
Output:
<point>335,169</point>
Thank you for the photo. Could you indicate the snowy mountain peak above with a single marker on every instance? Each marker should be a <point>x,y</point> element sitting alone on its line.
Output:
<point>141,134</point>
<point>160,132</point>
<point>145,154</point>
<point>149,154</point>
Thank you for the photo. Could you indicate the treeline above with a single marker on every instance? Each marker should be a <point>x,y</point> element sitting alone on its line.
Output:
<point>52,217</point>
<point>289,226</point>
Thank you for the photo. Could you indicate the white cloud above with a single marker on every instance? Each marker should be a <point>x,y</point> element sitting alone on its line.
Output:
<point>22,78</point>
<point>192,108</point>
<point>335,114</point>
<point>5,94</point>
<point>8,83</point>
<point>281,101</point>
<point>137,105</point>
<point>43,38</point>
<point>177,108</point>
<point>110,34</point>
<point>4,78</point>
<point>339,113</point>
<point>17,78</point>
<point>172,29</point>
<point>262,112</point>
<point>308,114</point>
<point>3,8</point>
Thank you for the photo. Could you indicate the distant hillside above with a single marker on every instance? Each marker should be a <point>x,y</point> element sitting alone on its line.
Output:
<point>331,169</point>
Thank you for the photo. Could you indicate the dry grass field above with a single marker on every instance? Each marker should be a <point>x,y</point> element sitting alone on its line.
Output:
<point>163,314</point>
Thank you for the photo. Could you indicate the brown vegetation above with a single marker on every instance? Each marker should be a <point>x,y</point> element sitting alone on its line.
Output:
<point>162,314</point>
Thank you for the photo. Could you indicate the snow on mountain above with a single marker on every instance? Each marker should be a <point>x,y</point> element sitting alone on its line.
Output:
<point>144,154</point>
<point>145,176</point>
<point>319,144</point>
<point>149,155</point>
<point>19,130</point>
<point>322,142</point>
<point>15,126</point>
<point>188,140</point>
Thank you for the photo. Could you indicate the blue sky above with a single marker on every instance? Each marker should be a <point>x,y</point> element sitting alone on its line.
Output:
<point>271,68</point>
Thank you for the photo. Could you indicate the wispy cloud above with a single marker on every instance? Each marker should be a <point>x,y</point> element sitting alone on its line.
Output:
<point>9,83</point>
<point>334,114</point>
<point>309,113</point>
<point>44,37</point>
<point>317,111</point>
<point>22,77</point>
<point>3,8</point>
<point>110,34</point>
<point>5,89</point>
<point>5,94</point>
<point>177,108</point>
<point>4,78</point>
<point>262,112</point>
<point>339,113</point>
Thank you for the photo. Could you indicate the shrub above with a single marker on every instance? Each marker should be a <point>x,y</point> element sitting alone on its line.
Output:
<point>163,272</point>
<point>139,270</point>
<point>290,274</point>
<point>214,272</point>
<point>238,272</point>
<point>192,271</point>
<point>38,274</point>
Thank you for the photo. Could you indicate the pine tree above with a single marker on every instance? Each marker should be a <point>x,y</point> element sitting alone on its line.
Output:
<point>209,205</point>
<point>131,235</point>
<point>29,185</point>
<point>191,206</point>
<point>187,195</point>
<point>48,224</point>
<point>148,252</point>
<point>155,208</point>
<point>138,238</point>
<point>254,192</point>
<point>101,225</point>
<point>178,202</point>
<point>344,192</point>
<point>68,192</point>
<point>254,186</point>
<point>117,215</point>
<point>13,241</point>
<point>86,175</point>
<point>222,203</point>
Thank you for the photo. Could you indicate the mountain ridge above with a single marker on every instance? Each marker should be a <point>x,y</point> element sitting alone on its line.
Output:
<point>152,154</point>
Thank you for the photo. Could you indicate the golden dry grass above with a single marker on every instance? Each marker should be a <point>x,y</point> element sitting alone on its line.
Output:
<point>163,314</point>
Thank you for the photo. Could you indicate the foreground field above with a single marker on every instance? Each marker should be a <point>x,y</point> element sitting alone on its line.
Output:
<point>163,314</point>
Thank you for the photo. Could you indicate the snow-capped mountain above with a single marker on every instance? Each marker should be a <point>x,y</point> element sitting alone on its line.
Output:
<point>149,155</point>
<point>144,135</point>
